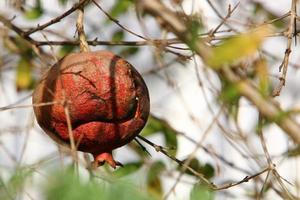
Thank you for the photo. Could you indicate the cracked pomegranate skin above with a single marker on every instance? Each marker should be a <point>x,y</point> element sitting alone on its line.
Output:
<point>106,98</point>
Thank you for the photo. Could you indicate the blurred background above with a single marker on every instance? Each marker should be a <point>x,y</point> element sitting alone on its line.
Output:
<point>200,119</point>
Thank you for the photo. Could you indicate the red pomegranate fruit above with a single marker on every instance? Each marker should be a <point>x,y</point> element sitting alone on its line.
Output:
<point>106,98</point>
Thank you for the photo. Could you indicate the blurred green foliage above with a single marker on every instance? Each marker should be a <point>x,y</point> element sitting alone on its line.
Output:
<point>24,67</point>
<point>262,74</point>
<point>24,79</point>
<point>129,51</point>
<point>14,185</point>
<point>195,27</point>
<point>156,126</point>
<point>201,192</point>
<point>117,36</point>
<point>260,10</point>
<point>66,49</point>
<point>35,12</point>
<point>120,7</point>
<point>237,47</point>
<point>67,186</point>
<point>229,97</point>
<point>206,169</point>
<point>154,184</point>
<point>294,152</point>
<point>130,168</point>
<point>63,2</point>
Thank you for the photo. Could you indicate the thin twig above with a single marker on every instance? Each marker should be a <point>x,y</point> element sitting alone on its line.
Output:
<point>30,105</point>
<point>23,35</point>
<point>224,20</point>
<point>229,13</point>
<point>192,154</point>
<point>290,34</point>
<point>15,28</point>
<point>287,193</point>
<point>246,179</point>
<point>271,165</point>
<point>142,146</point>
<point>57,19</point>
<point>71,137</point>
<point>199,175</point>
<point>117,22</point>
<point>181,163</point>
<point>264,185</point>
<point>267,107</point>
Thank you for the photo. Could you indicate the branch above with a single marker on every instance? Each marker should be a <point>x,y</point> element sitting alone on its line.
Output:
<point>224,20</point>
<point>57,19</point>
<point>13,27</point>
<point>175,25</point>
<point>84,47</point>
<point>290,34</point>
<point>266,106</point>
<point>199,175</point>
<point>179,162</point>
<point>117,22</point>
<point>23,35</point>
<point>154,42</point>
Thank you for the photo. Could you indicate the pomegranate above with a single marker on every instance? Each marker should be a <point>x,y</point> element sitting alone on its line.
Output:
<point>106,98</point>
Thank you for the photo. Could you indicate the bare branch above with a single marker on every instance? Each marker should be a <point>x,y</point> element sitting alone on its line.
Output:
<point>57,19</point>
<point>266,106</point>
<point>290,34</point>
<point>117,22</point>
<point>199,175</point>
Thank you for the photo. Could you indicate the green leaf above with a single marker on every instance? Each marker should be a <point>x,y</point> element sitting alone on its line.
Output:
<point>230,93</point>
<point>201,192</point>
<point>67,186</point>
<point>66,49</point>
<point>195,164</point>
<point>123,190</point>
<point>207,169</point>
<point>129,51</point>
<point>129,168</point>
<point>153,179</point>
<point>230,97</point>
<point>155,125</point>
<point>19,46</point>
<point>15,184</point>
<point>24,79</point>
<point>280,116</point>
<point>171,140</point>
<point>237,47</point>
<point>294,152</point>
<point>138,149</point>
<point>263,78</point>
<point>194,27</point>
<point>63,2</point>
<point>120,7</point>
<point>117,36</point>
<point>35,12</point>
<point>260,10</point>
<point>10,45</point>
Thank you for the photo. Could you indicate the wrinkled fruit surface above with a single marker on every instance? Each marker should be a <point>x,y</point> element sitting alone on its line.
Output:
<point>106,98</point>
